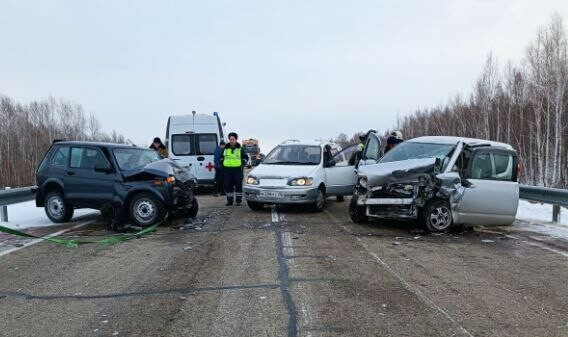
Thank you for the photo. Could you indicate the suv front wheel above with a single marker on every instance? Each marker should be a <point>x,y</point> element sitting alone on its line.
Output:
<point>357,213</point>
<point>56,208</point>
<point>146,209</point>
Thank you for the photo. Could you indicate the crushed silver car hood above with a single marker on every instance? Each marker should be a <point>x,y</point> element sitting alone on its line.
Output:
<point>404,170</point>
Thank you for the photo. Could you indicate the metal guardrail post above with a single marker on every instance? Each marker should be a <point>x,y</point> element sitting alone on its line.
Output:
<point>4,211</point>
<point>556,213</point>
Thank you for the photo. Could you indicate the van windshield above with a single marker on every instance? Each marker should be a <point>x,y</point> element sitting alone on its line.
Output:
<point>135,158</point>
<point>294,155</point>
<point>413,150</point>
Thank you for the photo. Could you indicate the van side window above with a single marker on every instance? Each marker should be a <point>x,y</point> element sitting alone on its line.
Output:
<point>60,157</point>
<point>206,143</point>
<point>182,145</point>
<point>492,166</point>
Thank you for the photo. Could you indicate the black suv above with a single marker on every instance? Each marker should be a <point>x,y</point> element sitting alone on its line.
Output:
<point>133,181</point>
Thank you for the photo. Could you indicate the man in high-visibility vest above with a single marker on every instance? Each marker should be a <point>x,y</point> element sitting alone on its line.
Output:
<point>233,160</point>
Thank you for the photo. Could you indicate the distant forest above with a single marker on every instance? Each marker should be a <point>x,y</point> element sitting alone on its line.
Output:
<point>525,105</point>
<point>27,131</point>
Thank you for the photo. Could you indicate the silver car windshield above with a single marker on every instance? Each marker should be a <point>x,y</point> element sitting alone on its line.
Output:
<point>294,155</point>
<point>135,158</point>
<point>413,150</point>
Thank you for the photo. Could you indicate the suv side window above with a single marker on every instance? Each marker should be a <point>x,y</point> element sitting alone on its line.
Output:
<point>60,156</point>
<point>87,158</point>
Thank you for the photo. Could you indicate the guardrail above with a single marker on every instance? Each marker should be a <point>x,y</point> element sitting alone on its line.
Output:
<point>555,196</point>
<point>11,196</point>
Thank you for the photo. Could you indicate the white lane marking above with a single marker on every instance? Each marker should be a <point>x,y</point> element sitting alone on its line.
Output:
<point>33,242</point>
<point>306,318</point>
<point>274,214</point>
<point>425,299</point>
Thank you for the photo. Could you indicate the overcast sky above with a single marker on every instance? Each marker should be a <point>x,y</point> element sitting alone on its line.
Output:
<point>273,69</point>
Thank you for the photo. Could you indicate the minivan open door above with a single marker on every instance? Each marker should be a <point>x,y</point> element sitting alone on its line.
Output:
<point>340,173</point>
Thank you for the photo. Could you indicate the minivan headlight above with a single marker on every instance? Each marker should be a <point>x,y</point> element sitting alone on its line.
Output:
<point>301,182</point>
<point>252,180</point>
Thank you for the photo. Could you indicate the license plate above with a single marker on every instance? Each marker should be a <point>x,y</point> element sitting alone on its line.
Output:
<point>270,194</point>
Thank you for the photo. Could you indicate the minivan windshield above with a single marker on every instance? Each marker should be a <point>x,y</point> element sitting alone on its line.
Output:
<point>294,155</point>
<point>414,150</point>
<point>134,158</point>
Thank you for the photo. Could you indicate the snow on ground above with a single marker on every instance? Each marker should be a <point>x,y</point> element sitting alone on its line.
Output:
<point>27,215</point>
<point>537,218</point>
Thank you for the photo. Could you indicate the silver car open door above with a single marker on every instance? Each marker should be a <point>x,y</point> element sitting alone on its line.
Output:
<point>372,151</point>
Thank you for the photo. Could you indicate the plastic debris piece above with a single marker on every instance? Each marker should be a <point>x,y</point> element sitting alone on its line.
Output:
<point>487,241</point>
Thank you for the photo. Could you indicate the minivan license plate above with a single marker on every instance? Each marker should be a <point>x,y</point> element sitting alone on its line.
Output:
<point>270,194</point>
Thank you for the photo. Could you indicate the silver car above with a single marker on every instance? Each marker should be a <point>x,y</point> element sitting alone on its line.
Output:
<point>442,181</point>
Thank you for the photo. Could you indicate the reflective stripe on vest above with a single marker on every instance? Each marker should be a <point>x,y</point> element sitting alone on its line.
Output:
<point>232,157</point>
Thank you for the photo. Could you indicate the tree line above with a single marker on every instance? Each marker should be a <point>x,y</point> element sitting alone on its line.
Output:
<point>522,104</point>
<point>28,130</point>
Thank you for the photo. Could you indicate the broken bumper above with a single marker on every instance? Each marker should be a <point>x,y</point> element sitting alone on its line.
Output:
<point>281,195</point>
<point>390,208</point>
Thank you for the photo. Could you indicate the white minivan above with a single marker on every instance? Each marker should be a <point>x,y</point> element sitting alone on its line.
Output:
<point>298,172</point>
<point>191,141</point>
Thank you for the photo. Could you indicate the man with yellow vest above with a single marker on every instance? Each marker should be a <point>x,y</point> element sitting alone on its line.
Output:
<point>233,160</point>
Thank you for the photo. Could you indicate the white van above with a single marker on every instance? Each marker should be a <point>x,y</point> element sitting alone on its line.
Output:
<point>191,141</point>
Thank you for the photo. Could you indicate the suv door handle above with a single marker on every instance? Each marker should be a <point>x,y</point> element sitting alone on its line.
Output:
<point>200,158</point>
<point>70,173</point>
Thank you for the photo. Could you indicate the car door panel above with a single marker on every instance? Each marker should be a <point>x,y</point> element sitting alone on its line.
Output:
<point>372,152</point>
<point>492,195</point>
<point>341,178</point>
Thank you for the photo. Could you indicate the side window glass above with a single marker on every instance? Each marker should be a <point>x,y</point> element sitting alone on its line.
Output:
<point>481,167</point>
<point>60,157</point>
<point>181,145</point>
<point>503,167</point>
<point>87,158</point>
<point>343,158</point>
<point>372,149</point>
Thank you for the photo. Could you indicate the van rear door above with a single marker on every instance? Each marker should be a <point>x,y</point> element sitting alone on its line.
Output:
<point>204,168</point>
<point>182,150</point>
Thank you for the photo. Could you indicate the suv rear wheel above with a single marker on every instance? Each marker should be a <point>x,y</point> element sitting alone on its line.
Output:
<point>56,208</point>
<point>146,209</point>
<point>437,216</point>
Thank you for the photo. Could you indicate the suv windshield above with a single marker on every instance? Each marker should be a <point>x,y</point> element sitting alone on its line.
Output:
<point>412,150</point>
<point>294,155</point>
<point>134,158</point>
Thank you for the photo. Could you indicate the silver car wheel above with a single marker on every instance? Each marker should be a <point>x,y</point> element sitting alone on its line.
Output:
<point>440,218</point>
<point>55,207</point>
<point>144,210</point>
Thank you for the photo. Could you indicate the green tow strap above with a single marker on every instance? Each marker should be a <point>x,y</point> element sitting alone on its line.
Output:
<point>110,240</point>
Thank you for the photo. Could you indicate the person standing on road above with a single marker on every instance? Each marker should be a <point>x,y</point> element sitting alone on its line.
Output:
<point>233,159</point>
<point>159,147</point>
<point>357,155</point>
<point>219,175</point>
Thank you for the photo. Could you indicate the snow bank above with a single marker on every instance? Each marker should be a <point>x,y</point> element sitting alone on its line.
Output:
<point>539,212</point>
<point>27,215</point>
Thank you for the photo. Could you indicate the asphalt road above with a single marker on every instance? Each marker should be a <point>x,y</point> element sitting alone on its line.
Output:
<point>288,272</point>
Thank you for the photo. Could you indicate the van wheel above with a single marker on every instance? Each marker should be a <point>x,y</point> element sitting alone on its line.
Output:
<point>319,205</point>
<point>340,198</point>
<point>192,213</point>
<point>357,213</point>
<point>146,209</point>
<point>57,209</point>
<point>255,206</point>
<point>437,216</point>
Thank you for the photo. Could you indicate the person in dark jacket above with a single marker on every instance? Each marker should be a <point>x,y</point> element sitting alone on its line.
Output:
<point>159,147</point>
<point>233,160</point>
<point>394,139</point>
<point>219,175</point>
